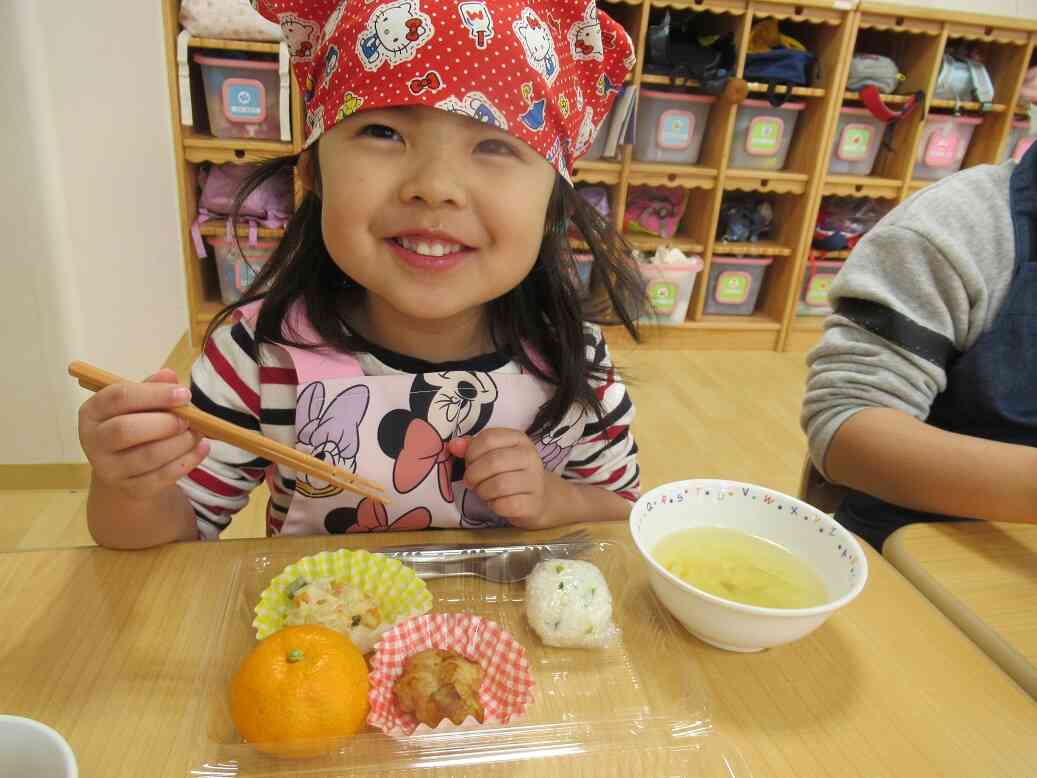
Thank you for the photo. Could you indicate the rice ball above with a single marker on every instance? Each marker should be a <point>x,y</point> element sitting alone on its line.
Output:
<point>568,604</point>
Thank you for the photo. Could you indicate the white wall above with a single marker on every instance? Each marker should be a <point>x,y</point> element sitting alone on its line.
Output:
<point>92,265</point>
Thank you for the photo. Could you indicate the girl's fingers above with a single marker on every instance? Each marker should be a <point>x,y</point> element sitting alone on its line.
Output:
<point>491,439</point>
<point>495,462</point>
<point>523,510</point>
<point>171,472</point>
<point>150,457</point>
<point>165,376</point>
<point>507,485</point>
<point>128,431</point>
<point>122,399</point>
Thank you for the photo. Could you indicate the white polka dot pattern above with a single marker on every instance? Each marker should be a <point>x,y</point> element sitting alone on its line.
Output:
<point>546,71</point>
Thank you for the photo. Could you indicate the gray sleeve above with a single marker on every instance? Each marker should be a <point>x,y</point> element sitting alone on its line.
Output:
<point>939,265</point>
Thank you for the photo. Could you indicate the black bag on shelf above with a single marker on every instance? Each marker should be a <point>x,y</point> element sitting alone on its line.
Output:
<point>675,49</point>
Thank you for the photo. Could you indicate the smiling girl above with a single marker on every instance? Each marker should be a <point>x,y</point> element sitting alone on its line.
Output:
<point>419,323</point>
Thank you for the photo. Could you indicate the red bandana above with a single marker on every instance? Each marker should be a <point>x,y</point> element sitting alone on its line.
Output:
<point>545,71</point>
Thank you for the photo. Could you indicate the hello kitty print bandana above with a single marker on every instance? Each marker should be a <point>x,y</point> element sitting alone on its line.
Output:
<point>545,71</point>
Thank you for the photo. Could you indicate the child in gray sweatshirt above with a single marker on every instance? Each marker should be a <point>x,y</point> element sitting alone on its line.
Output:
<point>922,395</point>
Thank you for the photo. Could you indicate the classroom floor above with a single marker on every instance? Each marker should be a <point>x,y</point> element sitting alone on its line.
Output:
<point>699,414</point>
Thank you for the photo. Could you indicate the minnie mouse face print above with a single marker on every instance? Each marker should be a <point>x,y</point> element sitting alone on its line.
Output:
<point>331,434</point>
<point>463,400</point>
<point>442,406</point>
<point>394,33</point>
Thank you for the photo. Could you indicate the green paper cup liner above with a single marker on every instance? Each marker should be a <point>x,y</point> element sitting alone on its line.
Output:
<point>393,586</point>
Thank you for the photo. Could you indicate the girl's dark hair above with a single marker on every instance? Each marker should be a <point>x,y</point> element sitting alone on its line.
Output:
<point>545,312</point>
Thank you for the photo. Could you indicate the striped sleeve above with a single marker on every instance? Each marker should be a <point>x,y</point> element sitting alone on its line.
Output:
<point>606,455</point>
<point>225,382</point>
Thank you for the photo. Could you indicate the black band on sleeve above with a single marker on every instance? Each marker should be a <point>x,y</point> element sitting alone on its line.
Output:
<point>899,330</point>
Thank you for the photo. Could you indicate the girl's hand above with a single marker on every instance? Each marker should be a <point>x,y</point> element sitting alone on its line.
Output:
<point>503,468</point>
<point>133,443</point>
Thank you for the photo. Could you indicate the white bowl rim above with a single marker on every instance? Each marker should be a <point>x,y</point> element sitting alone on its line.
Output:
<point>817,610</point>
<point>52,734</point>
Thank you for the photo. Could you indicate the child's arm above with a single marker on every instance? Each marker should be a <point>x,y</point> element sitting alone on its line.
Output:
<point>138,451</point>
<point>225,382</point>
<point>917,292</point>
<point>894,456</point>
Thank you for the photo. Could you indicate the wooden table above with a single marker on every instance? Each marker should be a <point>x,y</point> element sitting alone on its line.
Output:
<point>983,576</point>
<point>108,647</point>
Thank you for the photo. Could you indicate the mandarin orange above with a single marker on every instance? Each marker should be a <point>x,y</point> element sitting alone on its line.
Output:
<point>299,691</point>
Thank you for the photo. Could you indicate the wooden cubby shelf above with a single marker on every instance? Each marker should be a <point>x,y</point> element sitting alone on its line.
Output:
<point>797,91</point>
<point>651,243</point>
<point>887,99</point>
<point>777,181</point>
<point>833,30</point>
<point>861,186</point>
<point>228,45</point>
<point>597,172</point>
<point>217,228</point>
<point>660,174</point>
<point>762,248</point>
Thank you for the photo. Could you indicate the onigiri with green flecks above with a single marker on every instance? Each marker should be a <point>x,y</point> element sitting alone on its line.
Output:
<point>569,605</point>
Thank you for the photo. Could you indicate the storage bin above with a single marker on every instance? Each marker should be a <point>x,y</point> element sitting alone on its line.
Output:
<point>858,137</point>
<point>242,97</point>
<point>817,281</point>
<point>1019,140</point>
<point>670,127</point>
<point>668,289</point>
<point>734,284</point>
<point>763,134</point>
<point>943,144</point>
<point>236,270</point>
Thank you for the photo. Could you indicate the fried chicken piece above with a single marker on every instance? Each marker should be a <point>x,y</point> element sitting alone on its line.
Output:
<point>438,684</point>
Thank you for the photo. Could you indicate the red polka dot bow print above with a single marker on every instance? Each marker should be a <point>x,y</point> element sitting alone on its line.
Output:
<point>545,71</point>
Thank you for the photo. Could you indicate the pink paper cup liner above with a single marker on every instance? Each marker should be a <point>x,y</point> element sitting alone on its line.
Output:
<point>507,687</point>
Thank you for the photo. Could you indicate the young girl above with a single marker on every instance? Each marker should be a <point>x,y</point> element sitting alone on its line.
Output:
<point>419,323</point>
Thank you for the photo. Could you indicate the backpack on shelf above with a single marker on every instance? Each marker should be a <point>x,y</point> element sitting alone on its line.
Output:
<point>745,219</point>
<point>873,75</point>
<point>675,49</point>
<point>654,210</point>
<point>269,205</point>
<point>843,221</point>
<point>777,60</point>
<point>874,70</point>
<point>964,78</point>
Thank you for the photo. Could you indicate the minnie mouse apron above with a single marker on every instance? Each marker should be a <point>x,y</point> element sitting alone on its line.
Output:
<point>394,429</point>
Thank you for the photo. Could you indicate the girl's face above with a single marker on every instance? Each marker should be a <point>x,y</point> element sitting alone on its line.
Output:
<point>433,213</point>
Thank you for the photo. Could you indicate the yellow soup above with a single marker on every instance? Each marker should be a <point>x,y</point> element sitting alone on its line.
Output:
<point>741,567</point>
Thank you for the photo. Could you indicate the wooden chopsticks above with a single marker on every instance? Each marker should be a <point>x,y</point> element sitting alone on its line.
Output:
<point>95,379</point>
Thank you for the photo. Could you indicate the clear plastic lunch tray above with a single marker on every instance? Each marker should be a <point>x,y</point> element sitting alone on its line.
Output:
<point>642,702</point>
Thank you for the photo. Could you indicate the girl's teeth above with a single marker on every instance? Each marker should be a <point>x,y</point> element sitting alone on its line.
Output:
<point>429,249</point>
